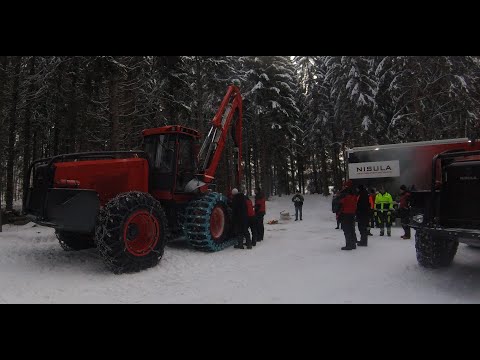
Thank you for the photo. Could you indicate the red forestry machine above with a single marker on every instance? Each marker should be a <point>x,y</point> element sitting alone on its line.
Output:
<point>128,203</point>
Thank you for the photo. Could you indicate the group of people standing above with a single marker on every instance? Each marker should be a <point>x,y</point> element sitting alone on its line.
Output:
<point>370,209</point>
<point>247,216</point>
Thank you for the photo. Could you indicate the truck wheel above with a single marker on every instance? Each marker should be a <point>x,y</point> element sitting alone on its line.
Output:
<point>131,232</point>
<point>207,223</point>
<point>434,252</point>
<point>70,241</point>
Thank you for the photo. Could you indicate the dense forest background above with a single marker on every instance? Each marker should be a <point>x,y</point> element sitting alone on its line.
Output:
<point>300,112</point>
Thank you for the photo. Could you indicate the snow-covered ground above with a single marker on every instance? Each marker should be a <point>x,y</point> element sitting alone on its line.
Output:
<point>299,262</point>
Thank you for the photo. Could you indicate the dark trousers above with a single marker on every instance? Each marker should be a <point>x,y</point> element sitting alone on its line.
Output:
<point>348,227</point>
<point>298,209</point>
<point>405,218</point>
<point>363,221</point>
<point>241,233</point>
<point>252,224</point>
<point>372,219</point>
<point>260,228</point>
<point>383,219</point>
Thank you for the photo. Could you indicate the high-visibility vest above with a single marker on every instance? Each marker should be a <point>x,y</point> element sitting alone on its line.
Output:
<point>384,202</point>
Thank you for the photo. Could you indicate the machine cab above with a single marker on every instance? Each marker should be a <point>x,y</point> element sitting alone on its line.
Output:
<point>172,155</point>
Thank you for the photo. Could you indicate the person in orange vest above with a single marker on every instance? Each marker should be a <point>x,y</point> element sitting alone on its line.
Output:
<point>260,211</point>
<point>252,221</point>
<point>348,209</point>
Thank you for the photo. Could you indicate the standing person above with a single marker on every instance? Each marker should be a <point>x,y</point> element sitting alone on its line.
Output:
<point>348,210</point>
<point>384,211</point>
<point>404,210</point>
<point>371,198</point>
<point>240,219</point>
<point>336,202</point>
<point>260,211</point>
<point>336,208</point>
<point>363,214</point>
<point>252,221</point>
<point>298,201</point>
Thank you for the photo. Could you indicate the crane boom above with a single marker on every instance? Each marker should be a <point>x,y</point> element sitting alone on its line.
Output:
<point>212,149</point>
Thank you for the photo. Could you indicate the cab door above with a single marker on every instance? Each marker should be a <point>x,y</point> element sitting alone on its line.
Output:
<point>186,165</point>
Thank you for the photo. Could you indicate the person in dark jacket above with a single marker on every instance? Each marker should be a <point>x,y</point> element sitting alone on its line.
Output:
<point>298,201</point>
<point>336,207</point>
<point>363,214</point>
<point>260,211</point>
<point>240,219</point>
<point>252,221</point>
<point>349,208</point>
<point>404,211</point>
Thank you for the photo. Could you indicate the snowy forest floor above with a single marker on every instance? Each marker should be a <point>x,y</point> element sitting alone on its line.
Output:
<point>298,262</point>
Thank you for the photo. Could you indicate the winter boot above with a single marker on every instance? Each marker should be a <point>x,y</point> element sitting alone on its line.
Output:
<point>238,246</point>
<point>349,248</point>
<point>389,233</point>
<point>382,232</point>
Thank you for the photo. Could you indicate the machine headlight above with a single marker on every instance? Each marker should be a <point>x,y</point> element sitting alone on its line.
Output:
<point>418,218</point>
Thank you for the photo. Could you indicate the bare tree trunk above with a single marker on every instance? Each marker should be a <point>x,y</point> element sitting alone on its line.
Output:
<point>324,169</point>
<point>315,173</point>
<point>248,165</point>
<point>292,169</point>
<point>130,101</point>
<point>72,114</point>
<point>255,162</point>
<point>34,144</point>
<point>114,113</point>
<point>26,128</point>
<point>199,123</point>
<point>12,134</point>
<point>3,78</point>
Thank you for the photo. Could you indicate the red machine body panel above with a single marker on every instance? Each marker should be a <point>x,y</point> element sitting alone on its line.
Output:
<point>168,195</point>
<point>107,177</point>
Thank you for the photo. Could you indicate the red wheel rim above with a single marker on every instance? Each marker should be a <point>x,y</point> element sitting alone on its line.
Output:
<point>141,233</point>
<point>217,223</point>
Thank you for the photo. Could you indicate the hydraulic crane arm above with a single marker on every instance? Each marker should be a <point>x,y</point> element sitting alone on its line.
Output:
<point>214,144</point>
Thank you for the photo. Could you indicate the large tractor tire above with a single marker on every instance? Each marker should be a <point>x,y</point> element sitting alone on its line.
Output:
<point>131,232</point>
<point>207,223</point>
<point>434,252</point>
<point>70,241</point>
